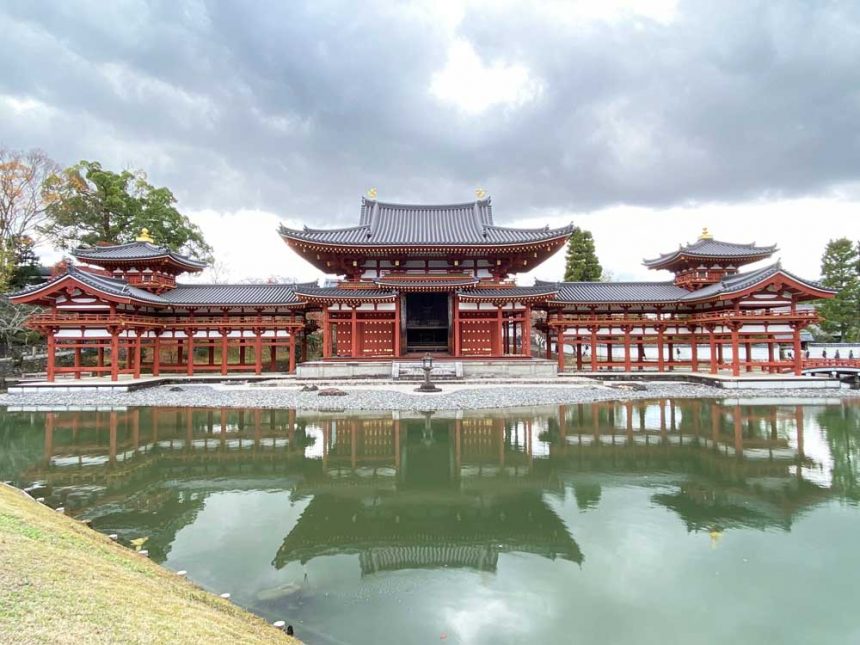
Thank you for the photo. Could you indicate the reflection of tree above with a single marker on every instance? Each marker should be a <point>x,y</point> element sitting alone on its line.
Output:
<point>841,425</point>
<point>587,495</point>
<point>22,444</point>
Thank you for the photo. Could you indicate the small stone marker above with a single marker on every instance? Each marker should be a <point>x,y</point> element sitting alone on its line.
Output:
<point>280,624</point>
<point>331,391</point>
<point>225,596</point>
<point>113,536</point>
<point>144,553</point>
<point>60,509</point>
<point>182,573</point>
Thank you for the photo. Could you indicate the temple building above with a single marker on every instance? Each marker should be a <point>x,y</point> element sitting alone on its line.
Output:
<point>414,279</point>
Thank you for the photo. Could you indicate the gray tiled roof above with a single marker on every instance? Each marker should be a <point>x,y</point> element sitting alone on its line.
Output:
<point>384,224</point>
<point>112,286</point>
<point>345,294</point>
<point>713,249</point>
<point>741,281</point>
<point>511,292</point>
<point>421,282</point>
<point>134,251</point>
<point>623,292</point>
<point>233,294</point>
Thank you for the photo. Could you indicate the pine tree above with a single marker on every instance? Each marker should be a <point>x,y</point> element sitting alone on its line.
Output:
<point>839,270</point>
<point>582,264</point>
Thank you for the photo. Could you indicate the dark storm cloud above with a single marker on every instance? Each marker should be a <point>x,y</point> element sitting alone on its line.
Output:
<point>299,109</point>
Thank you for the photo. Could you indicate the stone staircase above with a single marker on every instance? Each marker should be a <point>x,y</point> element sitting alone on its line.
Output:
<point>413,371</point>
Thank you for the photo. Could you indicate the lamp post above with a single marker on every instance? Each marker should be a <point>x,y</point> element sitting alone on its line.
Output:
<point>427,365</point>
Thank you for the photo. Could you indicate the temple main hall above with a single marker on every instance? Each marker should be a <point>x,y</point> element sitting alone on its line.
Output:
<point>417,279</point>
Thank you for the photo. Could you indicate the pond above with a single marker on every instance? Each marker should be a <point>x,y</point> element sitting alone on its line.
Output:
<point>688,521</point>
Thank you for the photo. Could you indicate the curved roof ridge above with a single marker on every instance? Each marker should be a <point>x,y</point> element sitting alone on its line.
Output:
<point>482,202</point>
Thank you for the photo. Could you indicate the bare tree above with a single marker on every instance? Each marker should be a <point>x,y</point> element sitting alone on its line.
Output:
<point>22,201</point>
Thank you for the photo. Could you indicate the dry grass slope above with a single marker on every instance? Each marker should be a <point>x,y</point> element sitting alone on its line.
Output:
<point>61,582</point>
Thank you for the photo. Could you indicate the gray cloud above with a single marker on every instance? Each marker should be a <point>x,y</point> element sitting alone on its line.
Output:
<point>299,109</point>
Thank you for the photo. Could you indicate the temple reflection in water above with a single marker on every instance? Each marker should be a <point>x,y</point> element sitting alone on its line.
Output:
<point>444,489</point>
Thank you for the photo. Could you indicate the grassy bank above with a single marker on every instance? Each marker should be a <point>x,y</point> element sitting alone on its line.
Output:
<point>61,582</point>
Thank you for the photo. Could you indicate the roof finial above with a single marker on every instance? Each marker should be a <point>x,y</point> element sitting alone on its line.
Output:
<point>371,194</point>
<point>144,236</point>
<point>480,193</point>
<point>706,234</point>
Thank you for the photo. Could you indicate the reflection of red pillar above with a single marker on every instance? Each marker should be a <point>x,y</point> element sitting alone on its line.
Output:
<point>562,423</point>
<point>49,436</point>
<point>135,428</point>
<point>798,423</point>
<point>112,429</point>
<point>628,412</point>
<point>501,424</point>
<point>353,447</point>
<point>715,422</point>
<point>397,443</point>
<point>739,435</point>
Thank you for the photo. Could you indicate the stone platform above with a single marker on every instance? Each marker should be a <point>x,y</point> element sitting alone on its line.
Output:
<point>467,368</point>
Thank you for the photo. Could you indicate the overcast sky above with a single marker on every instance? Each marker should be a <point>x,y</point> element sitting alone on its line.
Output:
<point>641,120</point>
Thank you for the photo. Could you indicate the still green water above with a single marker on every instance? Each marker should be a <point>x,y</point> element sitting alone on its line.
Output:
<point>647,522</point>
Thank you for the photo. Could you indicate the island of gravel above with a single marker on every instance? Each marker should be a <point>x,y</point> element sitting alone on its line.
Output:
<point>400,396</point>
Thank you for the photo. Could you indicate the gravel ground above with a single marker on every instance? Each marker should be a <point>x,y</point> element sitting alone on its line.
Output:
<point>400,397</point>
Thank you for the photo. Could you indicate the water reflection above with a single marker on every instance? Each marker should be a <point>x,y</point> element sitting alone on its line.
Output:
<point>531,525</point>
<point>437,489</point>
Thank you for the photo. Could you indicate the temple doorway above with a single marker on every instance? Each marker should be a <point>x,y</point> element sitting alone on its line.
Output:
<point>427,322</point>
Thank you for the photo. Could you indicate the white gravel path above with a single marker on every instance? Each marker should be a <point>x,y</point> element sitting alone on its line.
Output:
<point>401,396</point>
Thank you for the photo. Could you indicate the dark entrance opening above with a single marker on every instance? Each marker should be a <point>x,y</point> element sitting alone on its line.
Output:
<point>426,322</point>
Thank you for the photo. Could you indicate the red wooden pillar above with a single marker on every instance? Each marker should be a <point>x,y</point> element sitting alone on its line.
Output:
<point>52,351</point>
<point>354,332</point>
<point>189,334</point>
<point>578,345</point>
<point>748,355</point>
<point>712,346</point>
<point>224,352</point>
<point>627,331</point>
<point>138,350</point>
<point>736,362</point>
<point>497,349</point>
<point>114,355</point>
<point>78,360</point>
<point>593,349</point>
<point>527,332</point>
<point>660,357</point>
<point>397,315</point>
<point>156,355</point>
<point>100,357</point>
<point>798,358</point>
<point>273,354</point>
<point>211,351</point>
<point>242,349</point>
<point>559,346</point>
<point>457,340</point>
<point>292,364</point>
<point>326,334</point>
<point>694,351</point>
<point>258,352</point>
<point>179,352</point>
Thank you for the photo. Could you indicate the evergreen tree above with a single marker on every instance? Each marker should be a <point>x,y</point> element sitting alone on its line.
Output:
<point>839,270</point>
<point>582,264</point>
<point>89,205</point>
